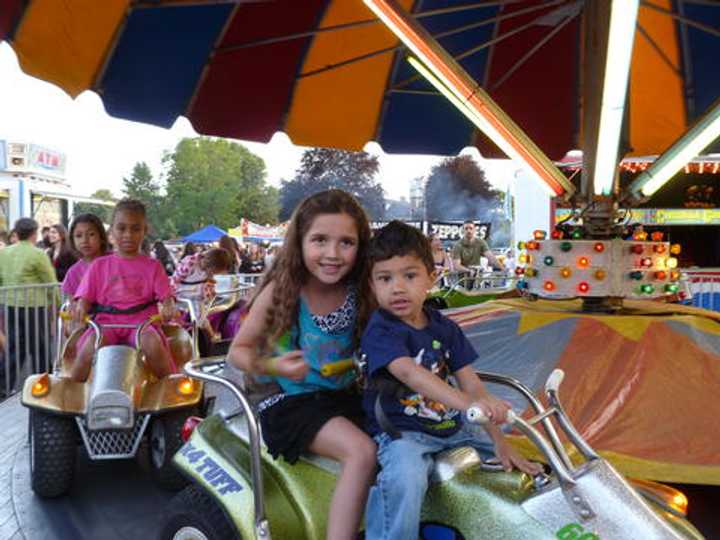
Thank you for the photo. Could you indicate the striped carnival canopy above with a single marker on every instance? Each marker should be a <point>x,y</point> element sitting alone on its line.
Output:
<point>328,73</point>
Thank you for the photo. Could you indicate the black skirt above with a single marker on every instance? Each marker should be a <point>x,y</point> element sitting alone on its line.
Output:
<point>289,425</point>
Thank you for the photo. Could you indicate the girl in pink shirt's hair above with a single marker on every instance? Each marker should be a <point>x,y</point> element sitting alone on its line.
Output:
<point>126,287</point>
<point>89,239</point>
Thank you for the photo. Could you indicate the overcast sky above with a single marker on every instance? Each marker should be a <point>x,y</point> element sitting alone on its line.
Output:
<point>101,150</point>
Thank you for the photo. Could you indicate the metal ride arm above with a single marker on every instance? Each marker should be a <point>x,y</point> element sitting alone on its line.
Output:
<point>65,315</point>
<point>476,416</point>
<point>552,388</point>
<point>492,277</point>
<point>193,320</point>
<point>196,369</point>
<point>543,414</point>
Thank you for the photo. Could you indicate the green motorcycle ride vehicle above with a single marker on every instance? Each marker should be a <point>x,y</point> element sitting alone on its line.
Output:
<point>455,289</point>
<point>240,491</point>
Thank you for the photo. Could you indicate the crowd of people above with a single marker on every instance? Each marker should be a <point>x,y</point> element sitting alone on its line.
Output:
<point>332,289</point>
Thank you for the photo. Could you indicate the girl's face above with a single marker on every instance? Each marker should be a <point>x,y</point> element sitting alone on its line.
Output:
<point>435,243</point>
<point>128,231</point>
<point>87,240</point>
<point>53,235</point>
<point>329,247</point>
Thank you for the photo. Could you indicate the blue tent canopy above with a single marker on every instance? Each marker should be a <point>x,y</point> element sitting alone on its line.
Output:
<point>211,233</point>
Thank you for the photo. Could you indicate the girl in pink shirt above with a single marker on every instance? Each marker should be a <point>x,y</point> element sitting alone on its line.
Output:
<point>125,287</point>
<point>89,239</point>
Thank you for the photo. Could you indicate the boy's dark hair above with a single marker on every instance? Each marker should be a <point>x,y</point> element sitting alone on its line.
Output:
<point>218,259</point>
<point>25,227</point>
<point>397,239</point>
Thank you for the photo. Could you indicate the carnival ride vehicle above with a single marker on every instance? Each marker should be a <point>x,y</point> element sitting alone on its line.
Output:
<point>458,289</point>
<point>215,318</point>
<point>121,405</point>
<point>240,491</point>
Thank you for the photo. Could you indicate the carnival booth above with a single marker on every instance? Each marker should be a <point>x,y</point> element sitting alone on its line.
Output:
<point>248,231</point>
<point>208,234</point>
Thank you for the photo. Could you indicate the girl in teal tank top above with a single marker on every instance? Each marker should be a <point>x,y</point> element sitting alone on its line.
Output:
<point>301,330</point>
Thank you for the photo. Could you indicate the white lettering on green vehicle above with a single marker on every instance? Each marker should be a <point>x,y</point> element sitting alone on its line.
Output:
<point>575,531</point>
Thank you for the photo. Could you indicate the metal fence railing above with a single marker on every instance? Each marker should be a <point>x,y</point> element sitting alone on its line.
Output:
<point>28,315</point>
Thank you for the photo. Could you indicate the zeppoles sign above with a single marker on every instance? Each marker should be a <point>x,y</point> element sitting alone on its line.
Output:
<point>453,230</point>
<point>446,230</point>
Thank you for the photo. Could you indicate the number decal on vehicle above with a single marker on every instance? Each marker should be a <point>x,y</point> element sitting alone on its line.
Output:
<point>575,531</point>
<point>210,470</point>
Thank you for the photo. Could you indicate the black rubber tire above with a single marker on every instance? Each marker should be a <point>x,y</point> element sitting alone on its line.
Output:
<point>53,451</point>
<point>168,427</point>
<point>193,508</point>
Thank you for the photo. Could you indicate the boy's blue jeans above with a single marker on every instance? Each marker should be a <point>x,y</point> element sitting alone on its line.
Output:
<point>393,510</point>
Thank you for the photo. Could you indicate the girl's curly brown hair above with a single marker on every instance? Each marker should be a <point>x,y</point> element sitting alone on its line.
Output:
<point>289,273</point>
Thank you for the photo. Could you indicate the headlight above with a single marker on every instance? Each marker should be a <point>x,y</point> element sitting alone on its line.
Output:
<point>671,499</point>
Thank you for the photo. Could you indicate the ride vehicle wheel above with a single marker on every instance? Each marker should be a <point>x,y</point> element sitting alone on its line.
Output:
<point>165,439</point>
<point>53,450</point>
<point>194,515</point>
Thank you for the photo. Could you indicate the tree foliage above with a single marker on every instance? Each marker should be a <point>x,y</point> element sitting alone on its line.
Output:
<point>101,211</point>
<point>213,181</point>
<point>326,168</point>
<point>457,189</point>
<point>142,186</point>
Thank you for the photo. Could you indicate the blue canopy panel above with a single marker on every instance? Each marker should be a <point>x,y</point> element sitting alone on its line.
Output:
<point>152,74</point>
<point>443,129</point>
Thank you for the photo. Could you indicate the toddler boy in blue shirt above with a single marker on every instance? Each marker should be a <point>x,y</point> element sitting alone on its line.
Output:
<point>413,412</point>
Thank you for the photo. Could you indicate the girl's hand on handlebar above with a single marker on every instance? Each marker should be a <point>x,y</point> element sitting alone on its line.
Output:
<point>167,311</point>
<point>510,459</point>
<point>290,365</point>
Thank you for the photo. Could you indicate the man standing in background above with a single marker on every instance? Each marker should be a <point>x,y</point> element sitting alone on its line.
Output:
<point>27,324</point>
<point>468,251</point>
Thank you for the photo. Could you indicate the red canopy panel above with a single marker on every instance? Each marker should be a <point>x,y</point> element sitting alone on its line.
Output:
<point>246,91</point>
<point>10,11</point>
<point>541,94</point>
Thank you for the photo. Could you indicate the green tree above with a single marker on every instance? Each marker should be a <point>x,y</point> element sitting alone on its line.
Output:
<point>326,168</point>
<point>100,210</point>
<point>142,186</point>
<point>213,181</point>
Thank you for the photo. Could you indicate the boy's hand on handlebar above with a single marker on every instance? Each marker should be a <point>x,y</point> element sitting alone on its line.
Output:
<point>510,459</point>
<point>290,365</point>
<point>495,409</point>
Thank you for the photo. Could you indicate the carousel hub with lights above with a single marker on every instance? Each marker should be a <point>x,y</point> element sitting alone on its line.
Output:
<point>572,267</point>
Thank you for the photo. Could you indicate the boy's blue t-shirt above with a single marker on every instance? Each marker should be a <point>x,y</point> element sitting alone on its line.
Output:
<point>441,347</point>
